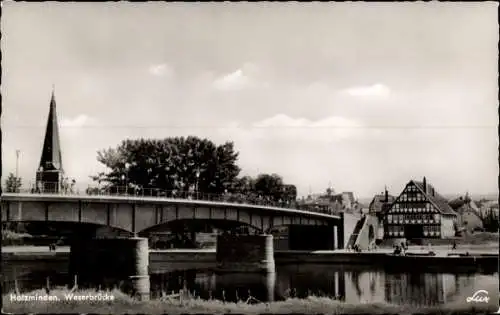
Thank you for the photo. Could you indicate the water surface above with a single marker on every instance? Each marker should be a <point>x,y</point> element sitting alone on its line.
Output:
<point>361,284</point>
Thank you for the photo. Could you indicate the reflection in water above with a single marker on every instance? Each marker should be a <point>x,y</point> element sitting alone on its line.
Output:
<point>349,284</point>
<point>210,285</point>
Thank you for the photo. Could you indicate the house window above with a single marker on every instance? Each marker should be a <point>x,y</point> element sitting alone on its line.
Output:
<point>437,217</point>
<point>426,230</point>
<point>389,218</point>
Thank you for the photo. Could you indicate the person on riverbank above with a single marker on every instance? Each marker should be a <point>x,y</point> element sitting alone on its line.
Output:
<point>454,247</point>
<point>397,250</point>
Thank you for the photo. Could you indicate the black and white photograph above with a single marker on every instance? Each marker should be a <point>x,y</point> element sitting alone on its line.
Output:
<point>249,157</point>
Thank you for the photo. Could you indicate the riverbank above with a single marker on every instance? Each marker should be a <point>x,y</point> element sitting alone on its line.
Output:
<point>472,259</point>
<point>187,304</point>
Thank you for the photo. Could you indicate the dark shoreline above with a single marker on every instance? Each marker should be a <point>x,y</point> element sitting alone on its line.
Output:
<point>476,262</point>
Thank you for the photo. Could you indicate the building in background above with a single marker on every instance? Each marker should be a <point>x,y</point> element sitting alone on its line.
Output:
<point>330,202</point>
<point>348,200</point>
<point>419,212</point>
<point>378,206</point>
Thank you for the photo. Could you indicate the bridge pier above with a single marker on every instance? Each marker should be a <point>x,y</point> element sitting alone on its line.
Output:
<point>311,238</point>
<point>95,259</point>
<point>245,253</point>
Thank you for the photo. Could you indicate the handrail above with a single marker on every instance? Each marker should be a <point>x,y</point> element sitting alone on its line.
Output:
<point>54,188</point>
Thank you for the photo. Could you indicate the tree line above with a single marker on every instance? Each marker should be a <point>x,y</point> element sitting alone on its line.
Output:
<point>184,165</point>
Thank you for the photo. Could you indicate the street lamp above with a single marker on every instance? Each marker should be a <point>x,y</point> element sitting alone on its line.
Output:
<point>127,165</point>
<point>123,180</point>
<point>197,179</point>
<point>18,152</point>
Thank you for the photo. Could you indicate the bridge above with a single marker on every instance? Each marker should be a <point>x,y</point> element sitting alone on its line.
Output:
<point>91,256</point>
<point>138,214</point>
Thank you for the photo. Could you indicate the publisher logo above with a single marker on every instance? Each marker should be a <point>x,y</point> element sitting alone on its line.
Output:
<point>480,296</point>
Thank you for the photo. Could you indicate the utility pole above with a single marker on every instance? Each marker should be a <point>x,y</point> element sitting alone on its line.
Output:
<point>18,152</point>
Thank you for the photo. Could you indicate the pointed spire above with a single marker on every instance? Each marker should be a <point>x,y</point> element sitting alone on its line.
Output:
<point>53,98</point>
<point>51,153</point>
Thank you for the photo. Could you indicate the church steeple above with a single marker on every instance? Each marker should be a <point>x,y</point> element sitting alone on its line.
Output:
<point>50,169</point>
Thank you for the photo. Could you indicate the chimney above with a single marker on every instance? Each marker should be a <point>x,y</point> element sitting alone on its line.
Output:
<point>425,185</point>
<point>386,194</point>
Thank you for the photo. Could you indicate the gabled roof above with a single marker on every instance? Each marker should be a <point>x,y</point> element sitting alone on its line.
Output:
<point>51,153</point>
<point>378,203</point>
<point>436,199</point>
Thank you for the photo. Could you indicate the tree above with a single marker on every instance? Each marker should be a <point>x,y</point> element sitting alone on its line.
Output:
<point>270,186</point>
<point>178,163</point>
<point>490,221</point>
<point>244,185</point>
<point>13,184</point>
<point>290,194</point>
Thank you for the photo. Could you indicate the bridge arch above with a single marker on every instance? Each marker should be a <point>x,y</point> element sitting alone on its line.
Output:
<point>198,225</point>
<point>67,229</point>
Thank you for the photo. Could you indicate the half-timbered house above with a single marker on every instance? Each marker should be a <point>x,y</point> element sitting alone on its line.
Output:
<point>419,212</point>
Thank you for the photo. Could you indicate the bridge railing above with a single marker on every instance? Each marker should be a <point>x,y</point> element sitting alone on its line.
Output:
<point>236,198</point>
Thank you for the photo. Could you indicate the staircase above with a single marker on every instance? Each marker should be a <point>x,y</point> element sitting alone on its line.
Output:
<point>355,233</point>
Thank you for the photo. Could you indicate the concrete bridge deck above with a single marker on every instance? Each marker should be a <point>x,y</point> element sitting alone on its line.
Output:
<point>144,214</point>
<point>60,197</point>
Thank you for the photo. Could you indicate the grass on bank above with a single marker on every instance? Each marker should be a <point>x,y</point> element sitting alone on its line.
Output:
<point>186,303</point>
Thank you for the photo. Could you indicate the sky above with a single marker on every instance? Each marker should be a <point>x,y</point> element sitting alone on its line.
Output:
<point>354,95</point>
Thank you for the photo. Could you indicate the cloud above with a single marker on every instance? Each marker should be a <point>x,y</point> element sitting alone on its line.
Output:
<point>242,78</point>
<point>77,122</point>
<point>376,90</point>
<point>303,150</point>
<point>233,81</point>
<point>282,127</point>
<point>161,70</point>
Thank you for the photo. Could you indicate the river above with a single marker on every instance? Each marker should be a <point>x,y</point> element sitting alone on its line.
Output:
<point>352,284</point>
